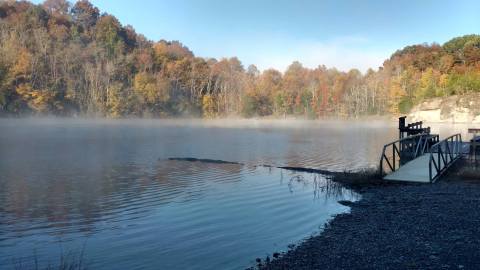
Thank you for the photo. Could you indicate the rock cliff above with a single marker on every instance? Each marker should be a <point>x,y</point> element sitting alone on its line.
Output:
<point>454,109</point>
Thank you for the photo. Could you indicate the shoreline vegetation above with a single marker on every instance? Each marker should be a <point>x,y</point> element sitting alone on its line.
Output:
<point>68,260</point>
<point>70,59</point>
<point>292,121</point>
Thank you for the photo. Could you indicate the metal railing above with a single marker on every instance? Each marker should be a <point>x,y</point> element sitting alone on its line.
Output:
<point>399,152</point>
<point>443,154</point>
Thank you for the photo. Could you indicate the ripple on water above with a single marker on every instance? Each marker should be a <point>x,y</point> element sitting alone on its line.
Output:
<point>180,214</point>
<point>109,187</point>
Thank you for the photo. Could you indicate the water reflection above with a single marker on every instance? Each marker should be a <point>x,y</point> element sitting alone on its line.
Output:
<point>109,186</point>
<point>77,201</point>
<point>174,207</point>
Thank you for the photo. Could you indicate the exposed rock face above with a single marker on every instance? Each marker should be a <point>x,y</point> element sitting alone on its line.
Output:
<point>454,109</point>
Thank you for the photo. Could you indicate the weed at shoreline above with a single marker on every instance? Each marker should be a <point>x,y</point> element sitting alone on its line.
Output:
<point>67,261</point>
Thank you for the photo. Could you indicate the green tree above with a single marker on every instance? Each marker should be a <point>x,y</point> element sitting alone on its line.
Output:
<point>108,34</point>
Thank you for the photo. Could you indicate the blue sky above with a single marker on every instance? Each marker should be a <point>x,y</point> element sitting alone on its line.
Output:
<point>273,33</point>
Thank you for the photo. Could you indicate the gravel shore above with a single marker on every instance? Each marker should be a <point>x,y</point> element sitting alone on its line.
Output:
<point>398,227</point>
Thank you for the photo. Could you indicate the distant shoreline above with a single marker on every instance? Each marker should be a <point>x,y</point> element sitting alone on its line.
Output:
<point>375,118</point>
<point>186,118</point>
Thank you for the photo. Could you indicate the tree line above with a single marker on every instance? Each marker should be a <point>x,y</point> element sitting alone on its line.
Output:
<point>59,58</point>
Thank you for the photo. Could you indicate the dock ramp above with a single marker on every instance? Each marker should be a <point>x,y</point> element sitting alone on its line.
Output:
<point>421,158</point>
<point>413,171</point>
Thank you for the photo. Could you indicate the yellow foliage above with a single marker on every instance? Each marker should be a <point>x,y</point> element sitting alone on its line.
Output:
<point>396,94</point>
<point>443,80</point>
<point>428,84</point>
<point>163,90</point>
<point>160,49</point>
<point>151,89</point>
<point>24,90</point>
<point>39,101</point>
<point>144,84</point>
<point>114,101</point>
<point>22,64</point>
<point>208,106</point>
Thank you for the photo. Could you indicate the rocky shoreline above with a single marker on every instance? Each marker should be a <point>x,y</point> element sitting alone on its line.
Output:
<point>397,227</point>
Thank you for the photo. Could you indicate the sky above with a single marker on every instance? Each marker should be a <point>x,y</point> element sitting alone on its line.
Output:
<point>273,33</point>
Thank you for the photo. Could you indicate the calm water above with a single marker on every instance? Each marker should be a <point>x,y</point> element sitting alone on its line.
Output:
<point>107,188</point>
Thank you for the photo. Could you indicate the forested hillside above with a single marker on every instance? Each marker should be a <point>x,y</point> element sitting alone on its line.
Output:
<point>66,59</point>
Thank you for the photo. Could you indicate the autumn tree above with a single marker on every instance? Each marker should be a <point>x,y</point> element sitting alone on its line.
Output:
<point>85,14</point>
<point>63,59</point>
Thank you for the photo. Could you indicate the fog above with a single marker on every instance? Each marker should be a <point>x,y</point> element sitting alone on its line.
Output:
<point>199,122</point>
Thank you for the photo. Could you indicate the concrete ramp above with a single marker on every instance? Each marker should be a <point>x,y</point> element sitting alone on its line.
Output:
<point>413,171</point>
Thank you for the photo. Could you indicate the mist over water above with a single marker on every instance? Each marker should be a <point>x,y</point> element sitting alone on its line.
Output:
<point>108,186</point>
<point>332,145</point>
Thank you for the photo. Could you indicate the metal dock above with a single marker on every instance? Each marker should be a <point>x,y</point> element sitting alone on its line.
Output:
<point>418,156</point>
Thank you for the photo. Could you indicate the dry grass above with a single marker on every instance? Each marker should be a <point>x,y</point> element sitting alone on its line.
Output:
<point>464,170</point>
<point>67,261</point>
<point>359,179</point>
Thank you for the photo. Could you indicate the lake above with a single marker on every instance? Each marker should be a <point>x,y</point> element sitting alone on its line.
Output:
<point>107,189</point>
